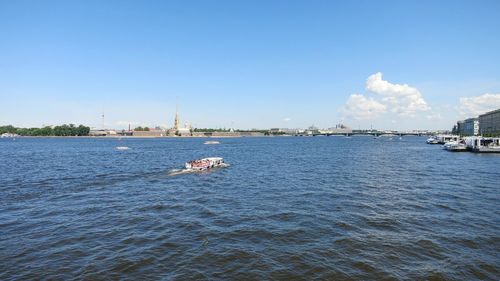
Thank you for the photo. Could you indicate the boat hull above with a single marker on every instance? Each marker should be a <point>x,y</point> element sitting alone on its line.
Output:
<point>486,150</point>
<point>456,149</point>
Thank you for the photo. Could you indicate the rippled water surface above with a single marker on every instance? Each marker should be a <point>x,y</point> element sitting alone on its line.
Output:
<point>295,208</point>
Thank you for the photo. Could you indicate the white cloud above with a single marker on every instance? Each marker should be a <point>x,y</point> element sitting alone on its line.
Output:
<point>286,119</point>
<point>474,106</point>
<point>399,98</point>
<point>435,116</point>
<point>360,107</point>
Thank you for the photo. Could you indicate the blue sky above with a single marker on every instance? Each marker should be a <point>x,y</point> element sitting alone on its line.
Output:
<point>249,64</point>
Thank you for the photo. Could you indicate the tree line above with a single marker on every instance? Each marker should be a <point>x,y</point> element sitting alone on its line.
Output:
<point>62,130</point>
<point>142,129</point>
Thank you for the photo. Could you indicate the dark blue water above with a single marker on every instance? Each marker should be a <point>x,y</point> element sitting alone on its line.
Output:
<point>296,208</point>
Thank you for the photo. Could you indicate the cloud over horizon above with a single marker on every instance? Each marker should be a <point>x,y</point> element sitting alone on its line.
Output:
<point>476,105</point>
<point>400,99</point>
<point>359,107</point>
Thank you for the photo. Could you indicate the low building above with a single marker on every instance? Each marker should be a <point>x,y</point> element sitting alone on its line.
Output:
<point>97,133</point>
<point>183,132</point>
<point>251,134</point>
<point>226,134</point>
<point>149,134</point>
<point>125,133</point>
<point>102,133</point>
<point>282,131</point>
<point>200,134</point>
<point>489,123</point>
<point>340,130</point>
<point>171,132</point>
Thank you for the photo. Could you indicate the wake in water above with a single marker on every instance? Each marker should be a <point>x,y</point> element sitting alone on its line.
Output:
<point>122,148</point>
<point>176,172</point>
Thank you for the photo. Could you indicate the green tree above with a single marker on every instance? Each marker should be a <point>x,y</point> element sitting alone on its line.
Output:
<point>24,132</point>
<point>8,129</point>
<point>62,130</point>
<point>82,130</point>
<point>45,131</point>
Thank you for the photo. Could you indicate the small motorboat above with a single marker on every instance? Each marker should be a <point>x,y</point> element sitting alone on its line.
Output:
<point>455,146</point>
<point>211,142</point>
<point>122,148</point>
<point>205,163</point>
<point>432,140</point>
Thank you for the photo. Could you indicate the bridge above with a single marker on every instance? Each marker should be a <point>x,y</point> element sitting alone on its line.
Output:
<point>364,133</point>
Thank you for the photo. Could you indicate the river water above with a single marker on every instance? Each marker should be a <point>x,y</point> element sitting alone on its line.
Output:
<point>287,208</point>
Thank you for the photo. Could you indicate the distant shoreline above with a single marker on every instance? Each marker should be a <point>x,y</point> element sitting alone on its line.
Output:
<point>137,137</point>
<point>187,137</point>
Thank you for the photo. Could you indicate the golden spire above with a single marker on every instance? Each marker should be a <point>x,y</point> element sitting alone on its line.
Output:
<point>176,123</point>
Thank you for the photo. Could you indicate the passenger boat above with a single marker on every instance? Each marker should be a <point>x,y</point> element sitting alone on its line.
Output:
<point>205,163</point>
<point>442,139</point>
<point>483,145</point>
<point>457,146</point>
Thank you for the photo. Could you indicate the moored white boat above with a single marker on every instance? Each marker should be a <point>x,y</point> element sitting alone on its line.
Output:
<point>483,144</point>
<point>432,140</point>
<point>205,163</point>
<point>442,139</point>
<point>455,146</point>
<point>211,142</point>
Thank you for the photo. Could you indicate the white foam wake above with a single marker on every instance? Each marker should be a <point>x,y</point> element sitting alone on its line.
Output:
<point>175,172</point>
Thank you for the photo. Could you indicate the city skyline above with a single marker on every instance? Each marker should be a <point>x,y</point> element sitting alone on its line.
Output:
<point>259,64</point>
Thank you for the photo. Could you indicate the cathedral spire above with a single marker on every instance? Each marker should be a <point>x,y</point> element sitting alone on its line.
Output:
<point>176,123</point>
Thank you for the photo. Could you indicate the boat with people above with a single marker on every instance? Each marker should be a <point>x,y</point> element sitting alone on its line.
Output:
<point>456,146</point>
<point>483,144</point>
<point>205,163</point>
